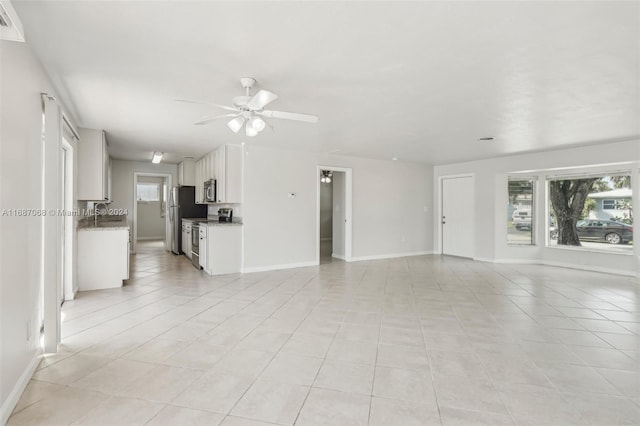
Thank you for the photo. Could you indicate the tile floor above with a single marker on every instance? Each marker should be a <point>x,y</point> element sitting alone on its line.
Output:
<point>415,341</point>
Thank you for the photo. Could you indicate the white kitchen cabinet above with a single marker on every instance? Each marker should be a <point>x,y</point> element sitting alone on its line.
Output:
<point>223,249</point>
<point>103,258</point>
<point>186,238</point>
<point>187,173</point>
<point>210,166</point>
<point>228,173</point>
<point>225,166</point>
<point>93,166</point>
<point>199,184</point>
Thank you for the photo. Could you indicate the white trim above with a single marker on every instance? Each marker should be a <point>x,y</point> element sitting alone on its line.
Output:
<point>325,239</point>
<point>590,268</point>
<point>390,256</point>
<point>348,210</point>
<point>134,221</point>
<point>69,235</point>
<point>337,256</point>
<point>508,261</point>
<point>581,267</point>
<point>14,396</point>
<point>278,267</point>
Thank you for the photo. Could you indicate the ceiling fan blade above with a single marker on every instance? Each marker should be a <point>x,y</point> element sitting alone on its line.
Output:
<point>309,118</point>
<point>228,108</point>
<point>209,120</point>
<point>261,99</point>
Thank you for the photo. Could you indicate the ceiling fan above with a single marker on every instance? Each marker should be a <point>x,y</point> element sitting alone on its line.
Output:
<point>248,111</point>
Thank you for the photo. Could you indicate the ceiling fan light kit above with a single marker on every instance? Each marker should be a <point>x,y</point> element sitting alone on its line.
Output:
<point>249,110</point>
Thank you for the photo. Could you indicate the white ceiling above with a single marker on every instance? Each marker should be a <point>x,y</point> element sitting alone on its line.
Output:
<point>418,80</point>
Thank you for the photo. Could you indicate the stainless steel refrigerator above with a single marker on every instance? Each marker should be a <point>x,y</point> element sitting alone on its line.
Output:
<point>182,204</point>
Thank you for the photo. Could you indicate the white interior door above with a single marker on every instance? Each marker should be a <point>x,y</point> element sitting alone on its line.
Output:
<point>458,216</point>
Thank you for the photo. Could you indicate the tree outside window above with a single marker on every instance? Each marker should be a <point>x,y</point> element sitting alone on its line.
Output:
<point>576,204</point>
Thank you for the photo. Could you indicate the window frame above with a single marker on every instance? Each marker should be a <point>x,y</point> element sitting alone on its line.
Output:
<point>533,180</point>
<point>148,184</point>
<point>600,173</point>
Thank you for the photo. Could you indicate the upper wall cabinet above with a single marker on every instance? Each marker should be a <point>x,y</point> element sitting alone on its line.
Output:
<point>228,173</point>
<point>187,173</point>
<point>93,166</point>
<point>225,166</point>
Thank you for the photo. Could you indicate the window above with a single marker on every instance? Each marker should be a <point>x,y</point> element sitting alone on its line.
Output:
<point>592,212</point>
<point>148,192</point>
<point>520,212</point>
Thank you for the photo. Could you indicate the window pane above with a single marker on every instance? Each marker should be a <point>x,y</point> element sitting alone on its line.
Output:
<point>592,212</point>
<point>520,212</point>
<point>148,192</point>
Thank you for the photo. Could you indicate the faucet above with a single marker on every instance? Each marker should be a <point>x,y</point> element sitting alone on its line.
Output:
<point>95,212</point>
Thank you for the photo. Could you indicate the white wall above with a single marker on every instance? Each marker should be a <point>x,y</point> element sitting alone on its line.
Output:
<point>151,218</point>
<point>122,181</point>
<point>22,80</point>
<point>326,210</point>
<point>389,199</point>
<point>491,200</point>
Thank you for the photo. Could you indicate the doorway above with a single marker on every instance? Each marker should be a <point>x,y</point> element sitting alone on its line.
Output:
<point>150,219</point>
<point>457,215</point>
<point>334,212</point>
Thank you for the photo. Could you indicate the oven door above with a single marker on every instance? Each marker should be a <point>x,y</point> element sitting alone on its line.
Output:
<point>195,246</point>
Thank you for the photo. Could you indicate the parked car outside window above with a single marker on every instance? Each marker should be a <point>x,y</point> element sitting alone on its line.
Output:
<point>521,219</point>
<point>605,230</point>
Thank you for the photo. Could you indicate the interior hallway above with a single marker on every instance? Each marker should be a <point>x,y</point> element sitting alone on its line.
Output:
<point>426,340</point>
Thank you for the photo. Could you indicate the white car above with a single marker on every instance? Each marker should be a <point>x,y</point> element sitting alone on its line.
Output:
<point>521,219</point>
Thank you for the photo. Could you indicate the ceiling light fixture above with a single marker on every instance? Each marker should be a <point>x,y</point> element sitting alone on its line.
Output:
<point>250,131</point>
<point>326,176</point>
<point>490,138</point>
<point>257,123</point>
<point>236,124</point>
<point>157,157</point>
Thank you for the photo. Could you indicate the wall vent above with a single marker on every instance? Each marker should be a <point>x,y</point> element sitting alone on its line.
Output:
<point>10,25</point>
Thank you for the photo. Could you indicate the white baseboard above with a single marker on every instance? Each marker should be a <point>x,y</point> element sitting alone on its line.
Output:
<point>338,256</point>
<point>14,396</point>
<point>276,267</point>
<point>582,267</point>
<point>326,239</point>
<point>508,261</point>
<point>590,268</point>
<point>390,256</point>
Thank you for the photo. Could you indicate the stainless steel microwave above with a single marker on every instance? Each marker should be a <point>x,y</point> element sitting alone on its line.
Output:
<point>210,194</point>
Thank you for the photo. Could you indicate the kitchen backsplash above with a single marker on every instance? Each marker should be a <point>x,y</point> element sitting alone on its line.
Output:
<point>212,210</point>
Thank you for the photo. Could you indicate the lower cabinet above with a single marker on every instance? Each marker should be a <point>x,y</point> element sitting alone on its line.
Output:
<point>103,258</point>
<point>224,249</point>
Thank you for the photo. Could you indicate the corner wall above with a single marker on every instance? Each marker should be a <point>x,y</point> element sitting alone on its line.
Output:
<point>389,202</point>
<point>491,200</point>
<point>22,79</point>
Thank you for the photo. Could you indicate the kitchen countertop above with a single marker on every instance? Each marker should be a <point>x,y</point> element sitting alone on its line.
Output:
<point>109,223</point>
<point>212,222</point>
